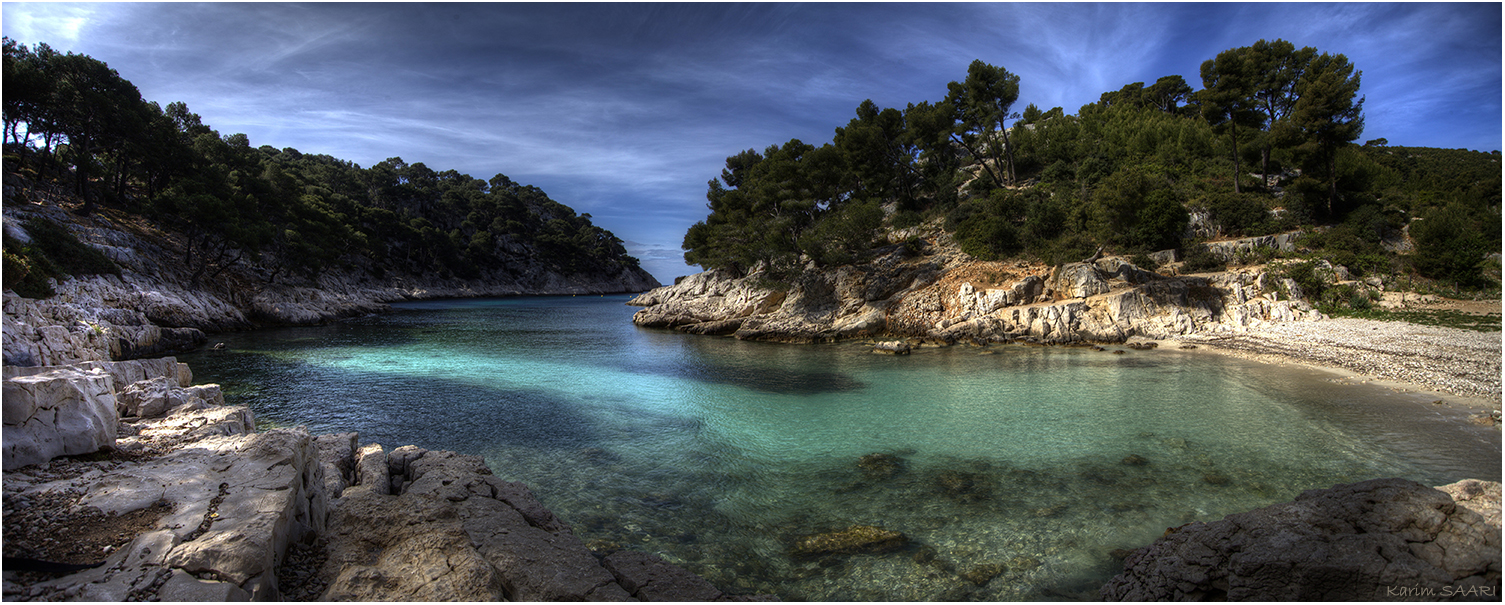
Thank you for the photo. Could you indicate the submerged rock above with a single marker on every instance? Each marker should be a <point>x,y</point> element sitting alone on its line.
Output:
<point>983,573</point>
<point>1370,540</point>
<point>857,539</point>
<point>880,465</point>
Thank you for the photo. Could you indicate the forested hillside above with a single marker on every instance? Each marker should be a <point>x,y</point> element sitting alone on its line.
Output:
<point>73,125</point>
<point>1269,144</point>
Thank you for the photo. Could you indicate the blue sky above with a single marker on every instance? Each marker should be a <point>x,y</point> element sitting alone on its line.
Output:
<point>626,110</point>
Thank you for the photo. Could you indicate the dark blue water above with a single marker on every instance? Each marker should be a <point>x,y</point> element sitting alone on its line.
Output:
<point>717,454</point>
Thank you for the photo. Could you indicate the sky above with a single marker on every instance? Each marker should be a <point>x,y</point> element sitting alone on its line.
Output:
<point>625,111</point>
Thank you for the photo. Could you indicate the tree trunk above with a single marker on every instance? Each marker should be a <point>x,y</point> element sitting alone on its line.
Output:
<point>1008,153</point>
<point>1332,181</point>
<point>1234,130</point>
<point>1264,167</point>
<point>81,170</point>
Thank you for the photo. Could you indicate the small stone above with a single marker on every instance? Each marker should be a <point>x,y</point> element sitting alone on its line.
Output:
<point>983,573</point>
<point>925,554</point>
<point>1023,563</point>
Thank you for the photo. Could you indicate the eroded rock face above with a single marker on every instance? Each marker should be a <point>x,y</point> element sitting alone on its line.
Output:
<point>1482,497</point>
<point>61,412</point>
<point>159,306</point>
<point>947,296</point>
<point>1362,541</point>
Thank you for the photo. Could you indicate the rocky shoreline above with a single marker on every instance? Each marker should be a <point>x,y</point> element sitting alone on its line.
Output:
<point>156,306</point>
<point>940,296</point>
<point>157,490</point>
<point>934,293</point>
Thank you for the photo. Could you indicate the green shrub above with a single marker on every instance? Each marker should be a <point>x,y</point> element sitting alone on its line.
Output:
<point>1239,214</point>
<point>1359,300</point>
<point>1144,261</point>
<point>988,237</point>
<point>1308,278</point>
<point>905,219</point>
<point>1451,246</point>
<point>1200,259</point>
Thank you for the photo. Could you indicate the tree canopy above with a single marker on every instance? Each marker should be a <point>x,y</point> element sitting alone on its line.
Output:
<point>71,116</point>
<point>1266,144</point>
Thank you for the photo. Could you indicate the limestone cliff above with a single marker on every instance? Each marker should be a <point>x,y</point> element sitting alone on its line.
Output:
<point>156,306</point>
<point>939,293</point>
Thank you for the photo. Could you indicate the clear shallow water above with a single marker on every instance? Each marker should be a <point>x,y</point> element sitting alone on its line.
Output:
<point>716,454</point>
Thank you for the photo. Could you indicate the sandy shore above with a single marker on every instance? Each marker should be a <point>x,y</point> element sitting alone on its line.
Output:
<point>1461,363</point>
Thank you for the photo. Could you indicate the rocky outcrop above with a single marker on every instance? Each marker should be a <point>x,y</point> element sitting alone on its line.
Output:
<point>58,413</point>
<point>72,410</point>
<point>1383,539</point>
<point>1230,249</point>
<point>207,508</point>
<point>945,296</point>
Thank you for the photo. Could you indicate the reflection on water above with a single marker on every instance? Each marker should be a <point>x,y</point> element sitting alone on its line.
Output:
<point>1013,474</point>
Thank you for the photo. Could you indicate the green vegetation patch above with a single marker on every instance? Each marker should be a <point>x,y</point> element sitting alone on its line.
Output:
<point>52,253</point>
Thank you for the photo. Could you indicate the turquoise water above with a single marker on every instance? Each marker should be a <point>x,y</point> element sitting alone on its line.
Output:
<point>1019,469</point>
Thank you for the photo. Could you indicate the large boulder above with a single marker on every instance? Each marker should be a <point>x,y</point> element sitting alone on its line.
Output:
<point>1078,280</point>
<point>61,412</point>
<point>154,398</point>
<point>1373,540</point>
<point>437,526</point>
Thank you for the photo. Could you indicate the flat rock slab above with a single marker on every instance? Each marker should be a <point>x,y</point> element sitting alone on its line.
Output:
<point>234,504</point>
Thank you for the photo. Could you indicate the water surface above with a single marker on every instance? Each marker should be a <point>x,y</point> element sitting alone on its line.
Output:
<point>1015,471</point>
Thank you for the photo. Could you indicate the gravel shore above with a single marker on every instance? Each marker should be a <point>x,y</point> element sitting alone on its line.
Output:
<point>1464,363</point>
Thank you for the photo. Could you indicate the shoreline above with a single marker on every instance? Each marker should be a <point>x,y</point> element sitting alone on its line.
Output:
<point>1461,367</point>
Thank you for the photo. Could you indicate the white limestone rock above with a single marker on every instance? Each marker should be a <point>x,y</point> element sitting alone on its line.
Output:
<point>61,412</point>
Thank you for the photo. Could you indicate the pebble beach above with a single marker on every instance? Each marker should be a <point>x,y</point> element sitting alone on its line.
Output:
<point>1452,361</point>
